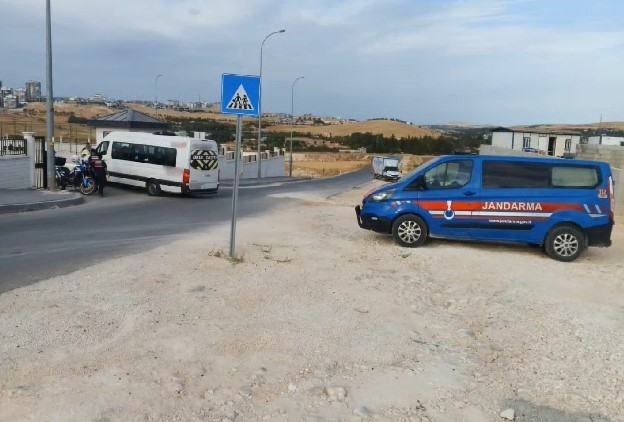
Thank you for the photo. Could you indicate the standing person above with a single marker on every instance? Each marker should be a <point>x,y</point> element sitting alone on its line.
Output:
<point>99,168</point>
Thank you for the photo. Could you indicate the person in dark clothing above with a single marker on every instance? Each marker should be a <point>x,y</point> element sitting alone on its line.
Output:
<point>99,169</point>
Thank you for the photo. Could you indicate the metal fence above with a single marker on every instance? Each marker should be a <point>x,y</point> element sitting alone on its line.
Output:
<point>10,146</point>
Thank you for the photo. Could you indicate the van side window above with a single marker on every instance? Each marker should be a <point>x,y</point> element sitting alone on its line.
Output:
<point>575,177</point>
<point>449,175</point>
<point>510,174</point>
<point>149,154</point>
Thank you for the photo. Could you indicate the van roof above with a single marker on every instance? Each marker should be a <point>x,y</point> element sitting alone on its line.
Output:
<point>540,159</point>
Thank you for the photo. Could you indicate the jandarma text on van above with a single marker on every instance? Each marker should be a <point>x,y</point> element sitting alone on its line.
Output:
<point>512,206</point>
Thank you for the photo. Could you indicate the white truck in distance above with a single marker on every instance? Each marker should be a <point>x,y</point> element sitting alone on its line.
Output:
<point>385,168</point>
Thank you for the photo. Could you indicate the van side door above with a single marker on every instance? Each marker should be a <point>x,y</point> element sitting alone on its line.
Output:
<point>449,193</point>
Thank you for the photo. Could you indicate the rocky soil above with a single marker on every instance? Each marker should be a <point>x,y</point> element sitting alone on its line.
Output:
<point>318,320</point>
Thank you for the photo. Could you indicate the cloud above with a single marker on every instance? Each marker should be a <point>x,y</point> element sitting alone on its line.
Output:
<point>497,61</point>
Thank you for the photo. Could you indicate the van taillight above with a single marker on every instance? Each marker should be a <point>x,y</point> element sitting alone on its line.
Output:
<point>612,197</point>
<point>186,177</point>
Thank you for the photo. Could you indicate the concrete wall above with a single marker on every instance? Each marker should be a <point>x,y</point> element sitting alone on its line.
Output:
<point>18,171</point>
<point>271,167</point>
<point>614,155</point>
<point>15,172</point>
<point>494,150</point>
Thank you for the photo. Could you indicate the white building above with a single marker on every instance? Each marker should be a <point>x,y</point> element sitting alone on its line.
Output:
<point>548,143</point>
<point>606,140</point>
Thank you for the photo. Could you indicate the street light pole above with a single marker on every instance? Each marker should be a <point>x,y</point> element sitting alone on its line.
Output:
<point>49,102</point>
<point>156,85</point>
<point>281,31</point>
<point>292,121</point>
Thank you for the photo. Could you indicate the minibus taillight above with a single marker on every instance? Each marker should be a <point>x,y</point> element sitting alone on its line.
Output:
<point>612,197</point>
<point>186,177</point>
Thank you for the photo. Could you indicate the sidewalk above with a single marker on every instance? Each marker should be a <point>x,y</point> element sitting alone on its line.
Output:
<point>20,200</point>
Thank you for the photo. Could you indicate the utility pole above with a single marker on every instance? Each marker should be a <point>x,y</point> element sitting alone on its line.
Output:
<point>292,122</point>
<point>49,101</point>
<point>156,86</point>
<point>281,31</point>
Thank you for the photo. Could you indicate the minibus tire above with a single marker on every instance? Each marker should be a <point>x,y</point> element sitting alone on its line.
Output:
<point>565,243</point>
<point>410,231</point>
<point>153,188</point>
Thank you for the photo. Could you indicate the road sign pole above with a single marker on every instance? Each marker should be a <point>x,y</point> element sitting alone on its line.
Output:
<point>239,124</point>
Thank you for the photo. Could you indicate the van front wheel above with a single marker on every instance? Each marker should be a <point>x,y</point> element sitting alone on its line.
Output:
<point>410,231</point>
<point>565,243</point>
<point>153,188</point>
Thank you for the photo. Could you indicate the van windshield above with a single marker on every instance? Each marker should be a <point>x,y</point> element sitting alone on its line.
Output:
<point>420,168</point>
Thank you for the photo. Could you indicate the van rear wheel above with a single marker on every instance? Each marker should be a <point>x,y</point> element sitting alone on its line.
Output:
<point>565,243</point>
<point>153,188</point>
<point>410,231</point>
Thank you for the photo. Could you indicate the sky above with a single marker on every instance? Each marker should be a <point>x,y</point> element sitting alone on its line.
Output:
<point>501,62</point>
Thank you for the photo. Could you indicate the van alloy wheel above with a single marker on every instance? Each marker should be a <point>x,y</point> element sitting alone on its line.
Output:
<point>410,231</point>
<point>565,242</point>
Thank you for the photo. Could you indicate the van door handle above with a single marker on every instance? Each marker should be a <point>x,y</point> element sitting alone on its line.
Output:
<point>470,193</point>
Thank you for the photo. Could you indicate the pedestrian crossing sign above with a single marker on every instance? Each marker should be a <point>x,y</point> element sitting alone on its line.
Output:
<point>240,94</point>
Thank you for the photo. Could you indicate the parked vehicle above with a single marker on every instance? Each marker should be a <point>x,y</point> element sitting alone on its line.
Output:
<point>81,177</point>
<point>61,172</point>
<point>385,168</point>
<point>563,205</point>
<point>175,164</point>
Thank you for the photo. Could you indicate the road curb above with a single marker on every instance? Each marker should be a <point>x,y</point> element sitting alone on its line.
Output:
<point>42,205</point>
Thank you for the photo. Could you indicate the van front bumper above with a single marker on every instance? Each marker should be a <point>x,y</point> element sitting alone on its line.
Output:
<point>370,222</point>
<point>600,236</point>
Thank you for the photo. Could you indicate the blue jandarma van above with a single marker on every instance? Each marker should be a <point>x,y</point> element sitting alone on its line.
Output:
<point>563,205</point>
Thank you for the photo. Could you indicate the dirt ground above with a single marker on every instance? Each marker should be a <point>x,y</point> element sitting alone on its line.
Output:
<point>319,321</point>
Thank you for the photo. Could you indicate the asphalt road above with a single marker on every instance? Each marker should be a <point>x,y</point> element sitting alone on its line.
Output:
<point>42,244</point>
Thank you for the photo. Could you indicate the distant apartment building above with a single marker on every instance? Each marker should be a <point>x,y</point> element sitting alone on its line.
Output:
<point>98,98</point>
<point>33,91</point>
<point>20,94</point>
<point>9,101</point>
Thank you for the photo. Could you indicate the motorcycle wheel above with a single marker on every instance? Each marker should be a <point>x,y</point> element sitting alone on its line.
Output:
<point>87,186</point>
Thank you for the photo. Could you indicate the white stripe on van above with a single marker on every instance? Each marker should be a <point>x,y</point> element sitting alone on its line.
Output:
<point>587,208</point>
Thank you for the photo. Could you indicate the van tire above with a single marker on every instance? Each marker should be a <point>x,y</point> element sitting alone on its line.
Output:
<point>410,231</point>
<point>153,188</point>
<point>565,243</point>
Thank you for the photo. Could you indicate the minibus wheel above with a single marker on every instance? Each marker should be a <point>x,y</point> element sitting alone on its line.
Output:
<point>565,243</point>
<point>153,188</point>
<point>410,231</point>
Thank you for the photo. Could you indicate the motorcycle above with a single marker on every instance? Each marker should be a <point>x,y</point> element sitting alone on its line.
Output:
<point>81,177</point>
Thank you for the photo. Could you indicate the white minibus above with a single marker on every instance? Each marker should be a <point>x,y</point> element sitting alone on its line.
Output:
<point>161,163</point>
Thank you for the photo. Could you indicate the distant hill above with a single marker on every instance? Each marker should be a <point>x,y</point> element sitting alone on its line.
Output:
<point>386,128</point>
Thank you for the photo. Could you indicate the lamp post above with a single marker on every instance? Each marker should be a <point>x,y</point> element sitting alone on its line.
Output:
<point>292,121</point>
<point>281,31</point>
<point>50,173</point>
<point>156,86</point>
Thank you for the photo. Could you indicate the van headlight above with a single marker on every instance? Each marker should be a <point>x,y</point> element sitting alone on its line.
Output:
<point>381,196</point>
